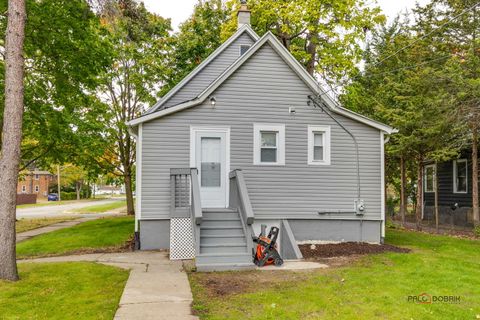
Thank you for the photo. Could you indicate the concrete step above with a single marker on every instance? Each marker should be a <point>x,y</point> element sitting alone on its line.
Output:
<point>225,266</point>
<point>228,210</point>
<point>223,258</point>
<point>221,231</point>
<point>223,248</point>
<point>230,222</point>
<point>220,214</point>
<point>222,239</point>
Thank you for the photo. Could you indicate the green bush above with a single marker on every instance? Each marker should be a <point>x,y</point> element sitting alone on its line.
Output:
<point>476,231</point>
<point>69,196</point>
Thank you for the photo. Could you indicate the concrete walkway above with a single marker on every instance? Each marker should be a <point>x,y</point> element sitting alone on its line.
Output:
<point>156,289</point>
<point>57,226</point>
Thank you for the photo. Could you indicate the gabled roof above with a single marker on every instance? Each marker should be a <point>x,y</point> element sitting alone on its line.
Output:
<point>291,61</point>
<point>244,29</point>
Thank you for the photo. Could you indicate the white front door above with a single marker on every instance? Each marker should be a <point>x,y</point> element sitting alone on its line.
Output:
<point>211,162</point>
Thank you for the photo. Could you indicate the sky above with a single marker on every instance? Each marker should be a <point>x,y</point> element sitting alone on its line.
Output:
<point>179,10</point>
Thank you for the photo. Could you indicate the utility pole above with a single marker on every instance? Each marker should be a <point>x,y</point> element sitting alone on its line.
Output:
<point>58,183</point>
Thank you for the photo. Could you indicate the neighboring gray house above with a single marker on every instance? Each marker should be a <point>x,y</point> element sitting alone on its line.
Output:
<point>250,138</point>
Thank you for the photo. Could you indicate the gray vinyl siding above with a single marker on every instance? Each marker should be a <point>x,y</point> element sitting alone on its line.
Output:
<point>211,72</point>
<point>261,91</point>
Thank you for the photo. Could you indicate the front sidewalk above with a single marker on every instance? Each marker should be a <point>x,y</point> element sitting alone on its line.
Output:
<point>157,288</point>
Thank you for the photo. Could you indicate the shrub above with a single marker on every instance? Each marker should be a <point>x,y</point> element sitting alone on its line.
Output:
<point>69,196</point>
<point>476,231</point>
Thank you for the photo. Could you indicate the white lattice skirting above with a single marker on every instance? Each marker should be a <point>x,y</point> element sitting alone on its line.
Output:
<point>182,244</point>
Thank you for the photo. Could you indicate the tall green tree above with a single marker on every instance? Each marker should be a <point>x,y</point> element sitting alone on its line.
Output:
<point>141,42</point>
<point>12,135</point>
<point>325,36</point>
<point>459,23</point>
<point>400,85</point>
<point>196,39</point>
<point>63,60</point>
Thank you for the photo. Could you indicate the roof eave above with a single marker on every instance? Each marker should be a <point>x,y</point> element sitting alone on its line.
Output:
<point>292,62</point>
<point>201,66</point>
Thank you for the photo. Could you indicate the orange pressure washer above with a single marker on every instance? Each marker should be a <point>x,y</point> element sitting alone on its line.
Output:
<point>266,252</point>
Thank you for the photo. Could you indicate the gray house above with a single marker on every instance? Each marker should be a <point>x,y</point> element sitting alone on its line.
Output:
<point>250,138</point>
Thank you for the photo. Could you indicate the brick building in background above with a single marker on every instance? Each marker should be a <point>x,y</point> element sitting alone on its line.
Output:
<point>35,182</point>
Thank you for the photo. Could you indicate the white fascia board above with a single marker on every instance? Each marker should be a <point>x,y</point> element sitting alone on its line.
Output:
<point>210,58</point>
<point>360,118</point>
<point>315,87</point>
<point>163,112</point>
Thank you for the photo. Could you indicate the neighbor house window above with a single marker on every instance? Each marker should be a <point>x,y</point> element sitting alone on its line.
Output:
<point>460,176</point>
<point>37,177</point>
<point>429,179</point>
<point>318,145</point>
<point>243,49</point>
<point>37,188</point>
<point>24,189</point>
<point>269,144</point>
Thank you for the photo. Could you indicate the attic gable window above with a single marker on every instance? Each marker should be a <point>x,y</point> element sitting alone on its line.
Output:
<point>243,49</point>
<point>460,176</point>
<point>269,144</point>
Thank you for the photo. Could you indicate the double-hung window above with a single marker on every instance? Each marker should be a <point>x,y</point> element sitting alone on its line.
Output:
<point>269,144</point>
<point>430,178</point>
<point>318,145</point>
<point>460,176</point>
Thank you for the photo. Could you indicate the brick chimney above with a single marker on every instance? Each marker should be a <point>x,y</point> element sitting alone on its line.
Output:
<point>243,15</point>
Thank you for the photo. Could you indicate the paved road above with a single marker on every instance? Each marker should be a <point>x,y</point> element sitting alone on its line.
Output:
<point>61,210</point>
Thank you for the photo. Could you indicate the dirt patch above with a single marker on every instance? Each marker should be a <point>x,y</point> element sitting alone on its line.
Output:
<point>343,249</point>
<point>452,231</point>
<point>221,284</point>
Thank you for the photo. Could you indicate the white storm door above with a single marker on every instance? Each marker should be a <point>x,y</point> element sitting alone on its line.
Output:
<point>211,162</point>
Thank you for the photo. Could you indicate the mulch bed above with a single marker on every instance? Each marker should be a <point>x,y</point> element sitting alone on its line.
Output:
<point>343,249</point>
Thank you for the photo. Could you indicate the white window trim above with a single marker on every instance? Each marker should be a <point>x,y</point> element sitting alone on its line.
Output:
<point>280,128</point>
<point>425,178</point>
<point>37,188</point>
<point>24,189</point>
<point>326,145</point>
<point>455,172</point>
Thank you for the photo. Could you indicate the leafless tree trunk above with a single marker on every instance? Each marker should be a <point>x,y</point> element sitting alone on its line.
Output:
<point>403,192</point>
<point>476,215</point>
<point>11,136</point>
<point>419,207</point>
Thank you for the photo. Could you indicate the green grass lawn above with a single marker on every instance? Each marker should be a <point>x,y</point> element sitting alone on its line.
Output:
<point>373,287</point>
<point>26,224</point>
<point>73,290</point>
<point>101,208</point>
<point>87,236</point>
